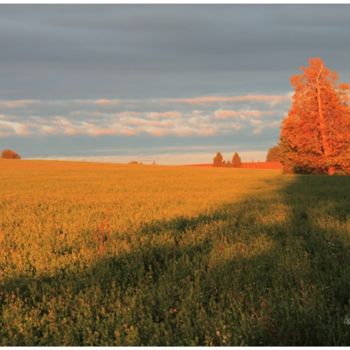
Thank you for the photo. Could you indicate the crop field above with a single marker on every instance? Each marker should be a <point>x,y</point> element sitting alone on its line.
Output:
<point>105,254</point>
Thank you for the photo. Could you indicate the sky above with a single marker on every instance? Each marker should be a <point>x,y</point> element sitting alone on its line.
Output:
<point>165,83</point>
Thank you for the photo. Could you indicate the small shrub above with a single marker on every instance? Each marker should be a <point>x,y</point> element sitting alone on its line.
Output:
<point>9,154</point>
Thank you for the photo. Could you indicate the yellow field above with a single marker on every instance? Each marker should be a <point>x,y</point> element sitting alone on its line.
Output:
<point>103,254</point>
<point>52,213</point>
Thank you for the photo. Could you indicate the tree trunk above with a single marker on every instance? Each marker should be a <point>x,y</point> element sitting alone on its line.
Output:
<point>325,145</point>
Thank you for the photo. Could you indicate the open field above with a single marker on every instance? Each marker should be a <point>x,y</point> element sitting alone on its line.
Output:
<point>249,165</point>
<point>262,165</point>
<point>103,254</point>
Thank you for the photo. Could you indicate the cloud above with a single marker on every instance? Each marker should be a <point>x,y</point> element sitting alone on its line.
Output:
<point>106,102</point>
<point>273,124</point>
<point>143,51</point>
<point>13,127</point>
<point>258,130</point>
<point>101,102</point>
<point>155,117</point>
<point>47,130</point>
<point>142,121</point>
<point>68,103</point>
<point>259,125</point>
<point>271,100</point>
<point>102,131</point>
<point>255,122</point>
<point>239,114</point>
<point>128,124</point>
<point>162,115</point>
<point>14,104</point>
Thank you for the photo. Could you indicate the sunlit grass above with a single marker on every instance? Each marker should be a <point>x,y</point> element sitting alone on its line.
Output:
<point>102,254</point>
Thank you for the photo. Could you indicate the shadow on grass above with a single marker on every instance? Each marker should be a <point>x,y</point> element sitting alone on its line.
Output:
<point>273,270</point>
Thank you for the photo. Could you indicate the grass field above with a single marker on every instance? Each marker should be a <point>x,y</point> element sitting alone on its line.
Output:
<point>102,254</point>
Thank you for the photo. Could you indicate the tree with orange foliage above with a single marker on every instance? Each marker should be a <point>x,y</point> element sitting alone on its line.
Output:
<point>9,154</point>
<point>273,155</point>
<point>315,136</point>
<point>218,160</point>
<point>236,161</point>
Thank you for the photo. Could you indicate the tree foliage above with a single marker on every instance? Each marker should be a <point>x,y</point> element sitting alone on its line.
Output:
<point>315,136</point>
<point>218,160</point>
<point>273,155</point>
<point>10,154</point>
<point>236,160</point>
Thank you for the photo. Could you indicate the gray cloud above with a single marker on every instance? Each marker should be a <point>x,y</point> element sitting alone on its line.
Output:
<point>128,51</point>
<point>67,57</point>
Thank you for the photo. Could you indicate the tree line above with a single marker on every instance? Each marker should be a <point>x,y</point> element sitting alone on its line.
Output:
<point>273,155</point>
<point>218,161</point>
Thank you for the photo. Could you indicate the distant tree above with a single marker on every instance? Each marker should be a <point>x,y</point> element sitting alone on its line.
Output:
<point>315,136</point>
<point>228,164</point>
<point>218,160</point>
<point>236,161</point>
<point>273,155</point>
<point>10,154</point>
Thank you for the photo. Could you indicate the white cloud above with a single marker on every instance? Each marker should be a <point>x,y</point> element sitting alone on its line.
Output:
<point>197,116</point>
<point>13,127</point>
<point>242,114</point>
<point>164,115</point>
<point>14,104</point>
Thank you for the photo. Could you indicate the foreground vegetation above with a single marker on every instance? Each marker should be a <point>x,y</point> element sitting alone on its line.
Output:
<point>98,254</point>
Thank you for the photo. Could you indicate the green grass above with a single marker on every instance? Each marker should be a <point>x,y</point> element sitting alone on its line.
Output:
<point>271,269</point>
